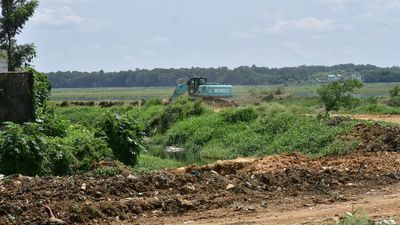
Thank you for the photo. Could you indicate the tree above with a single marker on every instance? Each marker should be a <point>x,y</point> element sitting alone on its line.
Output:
<point>339,94</point>
<point>14,15</point>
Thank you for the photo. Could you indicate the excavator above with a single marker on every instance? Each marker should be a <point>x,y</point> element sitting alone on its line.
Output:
<point>198,87</point>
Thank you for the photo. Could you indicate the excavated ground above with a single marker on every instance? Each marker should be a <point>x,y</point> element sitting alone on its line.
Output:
<point>239,187</point>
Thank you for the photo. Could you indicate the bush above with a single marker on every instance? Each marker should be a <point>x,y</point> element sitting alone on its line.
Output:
<point>153,102</point>
<point>23,153</point>
<point>124,136</point>
<point>239,115</point>
<point>28,149</point>
<point>394,101</point>
<point>180,109</point>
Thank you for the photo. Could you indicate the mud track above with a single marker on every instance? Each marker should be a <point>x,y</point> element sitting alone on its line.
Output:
<point>286,189</point>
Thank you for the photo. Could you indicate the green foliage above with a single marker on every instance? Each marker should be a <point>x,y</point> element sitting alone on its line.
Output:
<point>276,130</point>
<point>339,94</point>
<point>41,90</point>
<point>394,101</point>
<point>239,115</point>
<point>15,14</point>
<point>395,91</point>
<point>153,102</point>
<point>22,153</point>
<point>124,136</point>
<point>106,171</point>
<point>45,148</point>
<point>355,218</point>
<point>243,75</point>
<point>148,163</point>
<point>179,109</point>
<point>340,147</point>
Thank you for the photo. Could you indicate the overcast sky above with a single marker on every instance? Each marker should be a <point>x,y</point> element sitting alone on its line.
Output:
<point>90,35</point>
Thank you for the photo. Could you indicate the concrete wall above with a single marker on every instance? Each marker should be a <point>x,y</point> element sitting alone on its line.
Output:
<point>3,61</point>
<point>16,97</point>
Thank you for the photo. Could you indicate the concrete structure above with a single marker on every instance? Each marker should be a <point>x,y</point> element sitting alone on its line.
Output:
<point>3,61</point>
<point>16,97</point>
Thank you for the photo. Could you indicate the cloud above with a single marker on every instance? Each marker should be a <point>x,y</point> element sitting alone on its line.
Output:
<point>159,40</point>
<point>243,35</point>
<point>65,18</point>
<point>309,24</point>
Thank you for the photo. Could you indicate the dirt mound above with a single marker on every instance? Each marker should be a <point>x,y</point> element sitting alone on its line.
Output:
<point>243,184</point>
<point>377,137</point>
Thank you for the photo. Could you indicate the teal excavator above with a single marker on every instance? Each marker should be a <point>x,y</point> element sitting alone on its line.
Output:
<point>197,87</point>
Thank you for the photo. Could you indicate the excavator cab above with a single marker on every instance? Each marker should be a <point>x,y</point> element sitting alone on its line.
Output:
<point>193,85</point>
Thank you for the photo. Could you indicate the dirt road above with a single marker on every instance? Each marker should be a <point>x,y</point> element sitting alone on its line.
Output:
<point>377,118</point>
<point>379,205</point>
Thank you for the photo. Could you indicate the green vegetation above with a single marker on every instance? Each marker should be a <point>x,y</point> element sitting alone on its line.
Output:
<point>339,94</point>
<point>394,100</point>
<point>79,136</point>
<point>355,218</point>
<point>243,75</point>
<point>14,15</point>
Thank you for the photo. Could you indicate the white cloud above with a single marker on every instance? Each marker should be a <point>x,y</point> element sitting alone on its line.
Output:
<point>307,24</point>
<point>159,40</point>
<point>65,18</point>
<point>243,35</point>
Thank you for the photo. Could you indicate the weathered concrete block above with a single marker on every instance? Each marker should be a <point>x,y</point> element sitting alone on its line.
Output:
<point>16,97</point>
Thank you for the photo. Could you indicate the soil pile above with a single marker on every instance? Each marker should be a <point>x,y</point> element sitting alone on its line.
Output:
<point>243,184</point>
<point>377,138</point>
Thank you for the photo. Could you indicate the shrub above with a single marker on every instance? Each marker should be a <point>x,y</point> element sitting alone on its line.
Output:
<point>180,109</point>
<point>23,153</point>
<point>153,102</point>
<point>239,115</point>
<point>124,136</point>
<point>28,150</point>
<point>339,94</point>
<point>394,101</point>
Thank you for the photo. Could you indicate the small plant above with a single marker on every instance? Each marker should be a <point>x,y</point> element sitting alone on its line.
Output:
<point>106,172</point>
<point>239,115</point>
<point>355,218</point>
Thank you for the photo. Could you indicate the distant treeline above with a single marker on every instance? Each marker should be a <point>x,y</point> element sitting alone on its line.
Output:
<point>243,75</point>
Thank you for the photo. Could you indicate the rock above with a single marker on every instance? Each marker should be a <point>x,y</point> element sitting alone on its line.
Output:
<point>186,204</point>
<point>264,204</point>
<point>251,208</point>
<point>248,185</point>
<point>230,187</point>
<point>214,172</point>
<point>131,177</point>
<point>1,176</point>
<point>172,149</point>
<point>188,188</point>
<point>83,187</point>
<point>387,222</point>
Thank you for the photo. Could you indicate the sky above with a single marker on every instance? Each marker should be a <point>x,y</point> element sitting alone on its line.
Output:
<point>93,35</point>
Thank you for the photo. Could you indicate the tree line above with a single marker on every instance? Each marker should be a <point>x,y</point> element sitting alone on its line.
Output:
<point>244,75</point>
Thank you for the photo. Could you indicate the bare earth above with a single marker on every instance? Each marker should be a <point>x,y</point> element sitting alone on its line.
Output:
<point>377,118</point>
<point>284,189</point>
<point>378,204</point>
